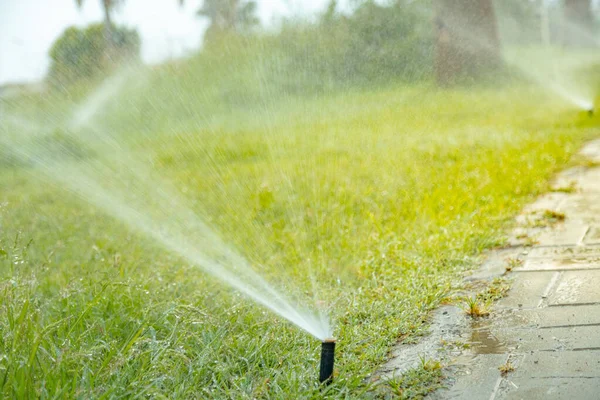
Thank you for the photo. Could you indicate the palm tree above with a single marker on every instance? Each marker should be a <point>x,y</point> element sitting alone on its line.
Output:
<point>107,6</point>
<point>228,16</point>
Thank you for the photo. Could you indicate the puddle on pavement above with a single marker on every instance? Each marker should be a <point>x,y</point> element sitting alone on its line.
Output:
<point>483,341</point>
<point>560,263</point>
<point>558,253</point>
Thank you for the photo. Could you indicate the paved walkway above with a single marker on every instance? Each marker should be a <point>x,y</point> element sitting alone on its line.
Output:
<point>546,331</point>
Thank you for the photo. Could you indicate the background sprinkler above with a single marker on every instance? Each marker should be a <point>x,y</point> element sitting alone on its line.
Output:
<point>327,359</point>
<point>590,111</point>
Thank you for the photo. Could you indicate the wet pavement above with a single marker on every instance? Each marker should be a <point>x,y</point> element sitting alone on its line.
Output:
<point>545,334</point>
<point>548,326</point>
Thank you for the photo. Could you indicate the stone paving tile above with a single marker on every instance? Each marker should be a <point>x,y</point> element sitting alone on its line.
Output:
<point>592,236</point>
<point>569,178</point>
<point>590,182</point>
<point>592,150</point>
<point>582,208</point>
<point>558,375</point>
<point>528,290</point>
<point>583,181</point>
<point>563,252</point>
<point>550,317</point>
<point>548,389</point>
<point>571,233</point>
<point>553,339</point>
<point>555,265</point>
<point>577,287</point>
<point>564,364</point>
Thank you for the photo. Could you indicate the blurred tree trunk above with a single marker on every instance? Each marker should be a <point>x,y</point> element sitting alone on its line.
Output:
<point>467,39</point>
<point>106,7</point>
<point>578,29</point>
<point>109,37</point>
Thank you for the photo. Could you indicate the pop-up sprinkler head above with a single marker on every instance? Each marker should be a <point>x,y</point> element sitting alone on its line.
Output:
<point>590,112</point>
<point>327,359</point>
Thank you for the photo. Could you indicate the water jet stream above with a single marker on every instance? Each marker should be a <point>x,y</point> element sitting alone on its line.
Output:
<point>123,186</point>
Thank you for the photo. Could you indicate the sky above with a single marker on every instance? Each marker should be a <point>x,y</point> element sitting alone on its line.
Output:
<point>29,27</point>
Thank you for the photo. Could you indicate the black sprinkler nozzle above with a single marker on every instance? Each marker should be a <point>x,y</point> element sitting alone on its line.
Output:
<point>327,360</point>
<point>590,112</point>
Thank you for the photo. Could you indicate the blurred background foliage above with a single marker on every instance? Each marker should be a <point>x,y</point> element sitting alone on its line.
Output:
<point>85,53</point>
<point>370,43</point>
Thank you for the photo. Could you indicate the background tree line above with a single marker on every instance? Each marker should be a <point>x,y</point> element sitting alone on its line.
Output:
<point>403,40</point>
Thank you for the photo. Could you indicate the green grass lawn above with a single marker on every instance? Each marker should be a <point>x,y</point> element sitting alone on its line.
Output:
<point>373,202</point>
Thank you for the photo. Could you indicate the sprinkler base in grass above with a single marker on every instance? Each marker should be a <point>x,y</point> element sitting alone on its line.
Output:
<point>590,112</point>
<point>327,361</point>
